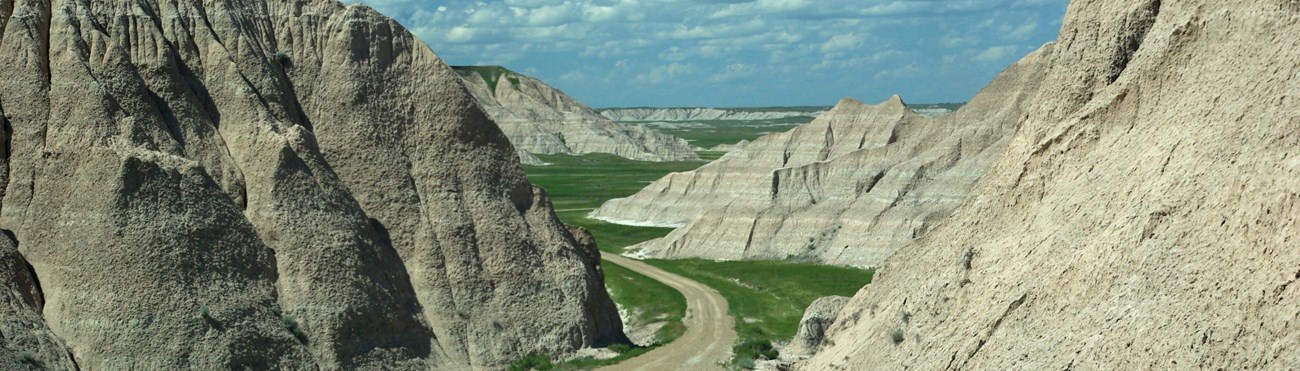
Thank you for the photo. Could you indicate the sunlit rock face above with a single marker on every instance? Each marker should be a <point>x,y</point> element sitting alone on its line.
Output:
<point>1143,217</point>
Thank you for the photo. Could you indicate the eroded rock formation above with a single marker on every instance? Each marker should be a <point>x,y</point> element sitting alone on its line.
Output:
<point>848,188</point>
<point>270,184</point>
<point>540,119</point>
<point>1146,215</point>
<point>812,327</point>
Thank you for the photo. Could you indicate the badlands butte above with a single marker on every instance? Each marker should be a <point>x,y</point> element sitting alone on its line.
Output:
<point>540,119</point>
<point>267,185</point>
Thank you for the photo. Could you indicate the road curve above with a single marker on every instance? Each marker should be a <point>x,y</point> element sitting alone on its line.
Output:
<point>710,331</point>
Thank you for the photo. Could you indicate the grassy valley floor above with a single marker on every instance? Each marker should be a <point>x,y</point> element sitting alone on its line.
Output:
<point>767,298</point>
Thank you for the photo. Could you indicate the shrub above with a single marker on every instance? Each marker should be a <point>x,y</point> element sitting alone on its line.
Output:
<point>27,358</point>
<point>291,324</point>
<point>897,336</point>
<point>283,58</point>
<point>540,362</point>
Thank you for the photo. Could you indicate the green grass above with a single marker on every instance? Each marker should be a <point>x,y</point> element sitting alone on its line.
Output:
<point>710,133</point>
<point>655,302</point>
<point>490,74</point>
<point>767,298</point>
<point>580,184</point>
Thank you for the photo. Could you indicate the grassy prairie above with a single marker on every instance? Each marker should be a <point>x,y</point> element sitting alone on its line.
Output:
<point>710,133</point>
<point>580,184</point>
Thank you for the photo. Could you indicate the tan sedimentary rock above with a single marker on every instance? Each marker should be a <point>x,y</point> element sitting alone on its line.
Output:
<point>540,119</point>
<point>812,327</point>
<point>284,185</point>
<point>1144,217</point>
<point>25,340</point>
<point>848,188</point>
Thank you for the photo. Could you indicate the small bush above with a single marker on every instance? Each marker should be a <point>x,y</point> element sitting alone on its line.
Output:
<point>540,362</point>
<point>744,363</point>
<point>291,324</point>
<point>750,350</point>
<point>897,336</point>
<point>27,358</point>
<point>282,57</point>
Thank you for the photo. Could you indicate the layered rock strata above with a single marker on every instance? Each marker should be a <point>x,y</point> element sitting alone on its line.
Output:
<point>540,119</point>
<point>847,189</point>
<point>1146,216</point>
<point>269,184</point>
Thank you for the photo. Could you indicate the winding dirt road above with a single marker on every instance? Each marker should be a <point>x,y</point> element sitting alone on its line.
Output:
<point>709,329</point>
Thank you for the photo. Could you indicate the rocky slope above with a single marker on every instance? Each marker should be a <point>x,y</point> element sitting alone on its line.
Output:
<point>848,188</point>
<point>698,113</point>
<point>267,184</point>
<point>1146,216</point>
<point>812,327</point>
<point>540,119</point>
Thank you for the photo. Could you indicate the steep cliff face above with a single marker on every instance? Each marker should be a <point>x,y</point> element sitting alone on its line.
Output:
<point>1145,216</point>
<point>540,119</point>
<point>273,185</point>
<point>848,188</point>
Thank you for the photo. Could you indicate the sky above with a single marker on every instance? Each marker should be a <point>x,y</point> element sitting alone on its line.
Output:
<point>738,53</point>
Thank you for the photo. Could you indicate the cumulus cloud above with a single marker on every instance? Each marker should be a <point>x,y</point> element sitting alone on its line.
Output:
<point>666,51</point>
<point>996,53</point>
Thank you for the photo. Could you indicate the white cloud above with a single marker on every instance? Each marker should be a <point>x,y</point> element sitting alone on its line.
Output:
<point>996,53</point>
<point>682,48</point>
<point>663,73</point>
<point>842,42</point>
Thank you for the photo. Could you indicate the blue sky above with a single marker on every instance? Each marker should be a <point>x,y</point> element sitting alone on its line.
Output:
<point>737,53</point>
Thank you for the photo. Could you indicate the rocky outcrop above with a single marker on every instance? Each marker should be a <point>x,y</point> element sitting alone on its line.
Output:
<point>540,119</point>
<point>1146,215</point>
<point>26,342</point>
<point>699,113</point>
<point>279,184</point>
<point>848,188</point>
<point>728,147</point>
<point>812,327</point>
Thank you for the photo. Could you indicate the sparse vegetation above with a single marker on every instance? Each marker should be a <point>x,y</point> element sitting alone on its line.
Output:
<point>291,324</point>
<point>540,362</point>
<point>283,58</point>
<point>897,336</point>
<point>490,74</point>
<point>28,358</point>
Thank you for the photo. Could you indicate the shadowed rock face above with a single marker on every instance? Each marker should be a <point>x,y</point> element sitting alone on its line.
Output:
<point>284,184</point>
<point>540,119</point>
<point>849,188</point>
<point>1144,216</point>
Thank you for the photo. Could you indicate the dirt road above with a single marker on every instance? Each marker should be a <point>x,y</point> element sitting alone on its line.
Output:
<point>709,329</point>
